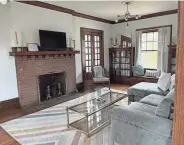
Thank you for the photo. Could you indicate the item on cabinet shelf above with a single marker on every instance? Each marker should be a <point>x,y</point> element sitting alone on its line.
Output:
<point>111,42</point>
<point>32,46</point>
<point>116,45</point>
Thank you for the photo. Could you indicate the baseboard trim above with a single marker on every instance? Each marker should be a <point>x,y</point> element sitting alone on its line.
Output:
<point>9,103</point>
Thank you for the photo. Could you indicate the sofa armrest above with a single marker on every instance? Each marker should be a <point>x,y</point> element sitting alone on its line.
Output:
<point>144,120</point>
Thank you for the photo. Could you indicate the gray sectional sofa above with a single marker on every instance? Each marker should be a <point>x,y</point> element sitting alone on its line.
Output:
<point>147,122</point>
<point>140,90</point>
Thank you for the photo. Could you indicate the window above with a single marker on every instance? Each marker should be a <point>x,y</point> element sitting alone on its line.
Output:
<point>149,49</point>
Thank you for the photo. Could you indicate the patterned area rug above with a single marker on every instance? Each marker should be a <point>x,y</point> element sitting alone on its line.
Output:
<point>48,127</point>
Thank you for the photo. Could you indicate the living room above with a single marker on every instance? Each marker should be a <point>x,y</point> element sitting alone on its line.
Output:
<point>125,52</point>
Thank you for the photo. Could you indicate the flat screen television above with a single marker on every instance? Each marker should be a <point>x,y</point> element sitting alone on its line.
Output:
<point>52,41</point>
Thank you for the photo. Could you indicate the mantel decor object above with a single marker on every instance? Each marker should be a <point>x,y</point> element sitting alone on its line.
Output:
<point>32,46</point>
<point>17,48</point>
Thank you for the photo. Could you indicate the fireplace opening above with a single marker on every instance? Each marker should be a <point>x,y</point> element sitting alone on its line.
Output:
<point>52,86</point>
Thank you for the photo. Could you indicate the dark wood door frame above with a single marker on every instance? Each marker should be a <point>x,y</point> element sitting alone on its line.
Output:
<point>178,122</point>
<point>83,29</point>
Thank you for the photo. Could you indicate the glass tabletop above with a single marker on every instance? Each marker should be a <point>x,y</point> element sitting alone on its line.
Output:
<point>93,105</point>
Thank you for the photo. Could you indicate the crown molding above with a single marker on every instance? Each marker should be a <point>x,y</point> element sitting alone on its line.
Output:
<point>163,13</point>
<point>65,10</point>
<point>77,14</point>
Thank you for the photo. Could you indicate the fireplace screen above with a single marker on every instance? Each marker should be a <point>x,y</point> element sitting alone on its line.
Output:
<point>52,86</point>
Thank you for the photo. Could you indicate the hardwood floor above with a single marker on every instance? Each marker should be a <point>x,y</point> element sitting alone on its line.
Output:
<point>14,112</point>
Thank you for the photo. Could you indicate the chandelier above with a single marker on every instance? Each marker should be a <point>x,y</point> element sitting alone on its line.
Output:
<point>127,14</point>
<point>3,2</point>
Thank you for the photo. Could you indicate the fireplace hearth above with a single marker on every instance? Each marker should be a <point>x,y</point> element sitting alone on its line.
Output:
<point>52,86</point>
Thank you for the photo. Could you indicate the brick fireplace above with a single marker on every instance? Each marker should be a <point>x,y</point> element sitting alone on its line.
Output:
<point>30,67</point>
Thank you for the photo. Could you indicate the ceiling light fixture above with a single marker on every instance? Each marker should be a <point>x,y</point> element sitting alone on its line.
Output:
<point>127,14</point>
<point>127,25</point>
<point>3,2</point>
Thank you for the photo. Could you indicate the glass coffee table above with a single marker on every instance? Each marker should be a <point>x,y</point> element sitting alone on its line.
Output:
<point>95,114</point>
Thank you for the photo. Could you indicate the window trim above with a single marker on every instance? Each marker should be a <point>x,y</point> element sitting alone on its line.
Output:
<point>152,50</point>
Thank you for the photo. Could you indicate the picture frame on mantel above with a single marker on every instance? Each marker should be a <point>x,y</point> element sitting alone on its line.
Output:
<point>32,47</point>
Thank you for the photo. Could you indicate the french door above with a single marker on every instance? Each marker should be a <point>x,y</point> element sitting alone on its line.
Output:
<point>92,51</point>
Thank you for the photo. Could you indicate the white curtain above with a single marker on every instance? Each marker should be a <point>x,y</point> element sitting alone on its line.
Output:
<point>163,42</point>
<point>138,60</point>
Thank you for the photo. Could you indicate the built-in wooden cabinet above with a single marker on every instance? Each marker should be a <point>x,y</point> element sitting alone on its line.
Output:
<point>121,61</point>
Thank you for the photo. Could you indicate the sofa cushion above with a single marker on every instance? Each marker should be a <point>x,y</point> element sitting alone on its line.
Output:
<point>153,73</point>
<point>143,107</point>
<point>164,107</point>
<point>164,81</point>
<point>152,99</point>
<point>138,70</point>
<point>143,120</point>
<point>144,88</point>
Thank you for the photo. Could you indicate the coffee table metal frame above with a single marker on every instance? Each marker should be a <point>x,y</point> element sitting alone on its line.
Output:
<point>86,115</point>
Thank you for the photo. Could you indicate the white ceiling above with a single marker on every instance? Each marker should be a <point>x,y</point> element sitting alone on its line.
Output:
<point>110,9</point>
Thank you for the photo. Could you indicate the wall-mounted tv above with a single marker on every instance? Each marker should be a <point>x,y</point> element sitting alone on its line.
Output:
<point>52,41</point>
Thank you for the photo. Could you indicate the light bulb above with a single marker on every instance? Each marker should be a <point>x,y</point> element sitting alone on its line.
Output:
<point>127,26</point>
<point>137,16</point>
<point>3,2</point>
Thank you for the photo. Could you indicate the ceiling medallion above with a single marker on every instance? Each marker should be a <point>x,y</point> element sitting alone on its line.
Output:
<point>127,14</point>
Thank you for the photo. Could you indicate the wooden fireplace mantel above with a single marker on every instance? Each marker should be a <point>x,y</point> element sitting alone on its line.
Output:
<point>43,53</point>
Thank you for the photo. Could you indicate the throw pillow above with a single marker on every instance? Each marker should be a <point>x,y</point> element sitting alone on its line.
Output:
<point>164,81</point>
<point>152,73</point>
<point>172,84</point>
<point>164,107</point>
<point>138,70</point>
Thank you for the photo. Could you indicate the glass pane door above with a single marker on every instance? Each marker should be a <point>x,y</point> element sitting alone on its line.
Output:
<point>97,50</point>
<point>92,51</point>
<point>88,53</point>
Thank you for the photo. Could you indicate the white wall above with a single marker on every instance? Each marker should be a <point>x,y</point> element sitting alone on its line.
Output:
<point>120,29</point>
<point>8,83</point>
<point>26,20</point>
